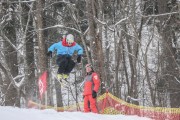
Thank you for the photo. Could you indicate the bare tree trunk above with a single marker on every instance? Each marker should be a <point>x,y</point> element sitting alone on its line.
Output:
<point>42,59</point>
<point>30,85</point>
<point>91,24</point>
<point>107,60</point>
<point>169,71</point>
<point>95,41</point>
<point>8,32</point>
<point>98,43</point>
<point>133,49</point>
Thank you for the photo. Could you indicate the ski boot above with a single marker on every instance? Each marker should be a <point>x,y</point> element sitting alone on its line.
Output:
<point>60,79</point>
<point>65,76</point>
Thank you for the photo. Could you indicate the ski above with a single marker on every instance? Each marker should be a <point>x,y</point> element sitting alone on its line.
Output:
<point>63,82</point>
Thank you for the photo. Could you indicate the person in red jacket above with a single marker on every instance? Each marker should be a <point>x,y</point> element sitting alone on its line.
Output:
<point>91,86</point>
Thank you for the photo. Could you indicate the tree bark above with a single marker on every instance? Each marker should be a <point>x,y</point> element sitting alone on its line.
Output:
<point>42,59</point>
<point>169,69</point>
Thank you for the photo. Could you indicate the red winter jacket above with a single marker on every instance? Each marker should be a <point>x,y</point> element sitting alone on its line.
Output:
<point>92,82</point>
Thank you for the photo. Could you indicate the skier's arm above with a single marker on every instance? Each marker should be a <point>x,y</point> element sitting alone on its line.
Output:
<point>79,49</point>
<point>52,47</point>
<point>96,81</point>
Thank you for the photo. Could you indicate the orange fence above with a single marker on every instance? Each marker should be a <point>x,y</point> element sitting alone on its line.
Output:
<point>109,104</point>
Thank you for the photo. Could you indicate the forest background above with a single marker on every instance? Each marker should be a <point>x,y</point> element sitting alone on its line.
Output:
<point>134,46</point>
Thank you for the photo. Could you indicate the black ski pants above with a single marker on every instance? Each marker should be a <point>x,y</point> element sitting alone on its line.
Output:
<point>65,63</point>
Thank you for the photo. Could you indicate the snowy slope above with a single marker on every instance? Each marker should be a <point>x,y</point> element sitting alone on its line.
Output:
<point>10,113</point>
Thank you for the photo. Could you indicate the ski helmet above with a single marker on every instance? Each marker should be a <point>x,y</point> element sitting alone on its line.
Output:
<point>69,39</point>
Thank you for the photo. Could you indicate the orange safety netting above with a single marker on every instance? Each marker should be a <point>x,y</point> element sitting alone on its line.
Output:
<point>109,104</point>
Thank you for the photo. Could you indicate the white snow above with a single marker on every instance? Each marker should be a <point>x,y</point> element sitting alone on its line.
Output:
<point>12,113</point>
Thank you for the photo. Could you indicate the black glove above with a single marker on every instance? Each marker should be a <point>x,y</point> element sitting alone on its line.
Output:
<point>79,58</point>
<point>94,94</point>
<point>49,54</point>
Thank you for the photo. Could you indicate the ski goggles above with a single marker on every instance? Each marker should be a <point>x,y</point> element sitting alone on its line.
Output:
<point>70,42</point>
<point>88,65</point>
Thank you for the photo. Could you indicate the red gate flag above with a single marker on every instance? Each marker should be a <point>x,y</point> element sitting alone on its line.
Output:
<point>42,84</point>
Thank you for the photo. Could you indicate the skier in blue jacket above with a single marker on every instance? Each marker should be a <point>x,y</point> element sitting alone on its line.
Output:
<point>65,49</point>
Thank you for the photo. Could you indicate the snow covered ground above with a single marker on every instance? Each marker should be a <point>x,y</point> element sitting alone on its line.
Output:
<point>10,113</point>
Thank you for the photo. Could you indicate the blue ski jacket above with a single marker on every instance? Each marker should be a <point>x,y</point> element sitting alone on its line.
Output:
<point>64,50</point>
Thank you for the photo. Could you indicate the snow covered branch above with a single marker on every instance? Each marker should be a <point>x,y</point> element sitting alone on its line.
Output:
<point>132,99</point>
<point>104,23</point>
<point>61,26</point>
<point>158,15</point>
<point>111,29</point>
<point>21,1</point>
<point>122,20</point>
<point>177,80</point>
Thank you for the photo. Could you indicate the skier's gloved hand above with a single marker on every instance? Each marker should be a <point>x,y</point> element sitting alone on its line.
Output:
<point>79,59</point>
<point>94,94</point>
<point>49,54</point>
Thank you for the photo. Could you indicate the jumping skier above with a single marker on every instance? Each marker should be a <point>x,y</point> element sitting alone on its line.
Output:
<point>65,49</point>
